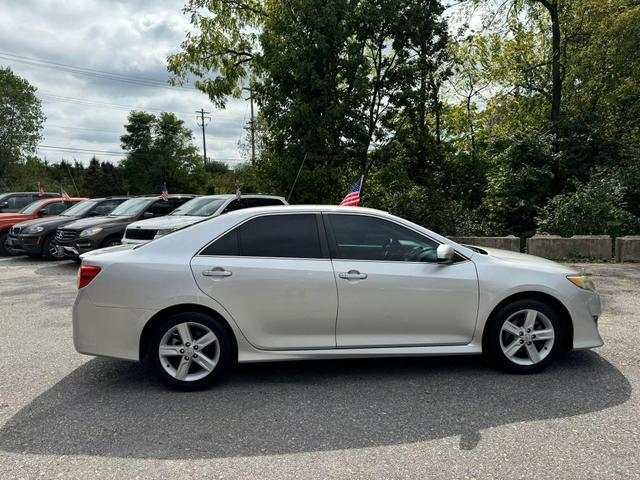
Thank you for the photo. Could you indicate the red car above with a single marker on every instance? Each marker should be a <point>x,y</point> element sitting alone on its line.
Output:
<point>40,208</point>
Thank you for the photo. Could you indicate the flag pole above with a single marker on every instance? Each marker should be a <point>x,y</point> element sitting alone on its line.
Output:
<point>297,175</point>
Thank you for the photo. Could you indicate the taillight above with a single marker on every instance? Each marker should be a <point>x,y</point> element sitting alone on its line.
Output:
<point>86,274</point>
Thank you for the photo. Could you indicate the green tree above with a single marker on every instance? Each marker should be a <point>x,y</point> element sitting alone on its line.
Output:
<point>160,148</point>
<point>21,119</point>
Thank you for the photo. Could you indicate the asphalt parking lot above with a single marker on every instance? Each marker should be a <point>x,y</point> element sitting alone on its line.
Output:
<point>64,415</point>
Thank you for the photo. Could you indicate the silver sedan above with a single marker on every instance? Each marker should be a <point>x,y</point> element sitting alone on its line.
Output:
<point>314,282</point>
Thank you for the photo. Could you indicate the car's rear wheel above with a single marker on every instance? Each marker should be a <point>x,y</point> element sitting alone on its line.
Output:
<point>524,336</point>
<point>190,351</point>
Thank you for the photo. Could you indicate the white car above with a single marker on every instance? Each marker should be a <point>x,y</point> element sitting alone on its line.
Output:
<point>192,212</point>
<point>314,282</point>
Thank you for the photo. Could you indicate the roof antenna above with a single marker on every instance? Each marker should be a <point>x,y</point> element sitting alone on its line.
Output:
<point>298,175</point>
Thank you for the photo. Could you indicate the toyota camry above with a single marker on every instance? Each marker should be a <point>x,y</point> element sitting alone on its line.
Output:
<point>317,282</point>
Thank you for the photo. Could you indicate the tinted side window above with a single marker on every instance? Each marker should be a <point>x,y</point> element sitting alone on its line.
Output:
<point>105,208</point>
<point>360,237</point>
<point>290,236</point>
<point>57,208</point>
<point>19,201</point>
<point>176,202</point>
<point>225,245</point>
<point>235,205</point>
<point>263,202</point>
<point>281,236</point>
<point>160,207</point>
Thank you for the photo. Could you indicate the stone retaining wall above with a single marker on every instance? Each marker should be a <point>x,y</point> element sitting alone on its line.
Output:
<point>628,249</point>
<point>578,246</point>
<point>505,243</point>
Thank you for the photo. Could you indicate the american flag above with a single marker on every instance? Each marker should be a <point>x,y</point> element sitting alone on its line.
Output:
<point>40,190</point>
<point>165,193</point>
<point>353,199</point>
<point>65,195</point>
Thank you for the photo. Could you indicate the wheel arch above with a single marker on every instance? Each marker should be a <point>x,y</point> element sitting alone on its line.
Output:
<point>114,236</point>
<point>542,297</point>
<point>152,323</point>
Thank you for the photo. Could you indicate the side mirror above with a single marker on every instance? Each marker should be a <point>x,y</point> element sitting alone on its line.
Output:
<point>4,204</point>
<point>43,213</point>
<point>147,215</point>
<point>445,254</point>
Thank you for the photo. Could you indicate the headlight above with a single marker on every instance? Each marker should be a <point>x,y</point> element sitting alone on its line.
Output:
<point>582,281</point>
<point>90,232</point>
<point>164,231</point>
<point>33,229</point>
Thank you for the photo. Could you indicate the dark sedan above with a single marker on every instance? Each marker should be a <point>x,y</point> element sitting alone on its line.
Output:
<point>89,234</point>
<point>36,237</point>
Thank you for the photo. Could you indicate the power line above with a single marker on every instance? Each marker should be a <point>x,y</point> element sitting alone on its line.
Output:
<point>55,148</point>
<point>78,150</point>
<point>90,72</point>
<point>68,127</point>
<point>80,101</point>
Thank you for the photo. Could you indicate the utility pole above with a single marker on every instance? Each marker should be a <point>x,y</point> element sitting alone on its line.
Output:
<point>252,126</point>
<point>253,129</point>
<point>203,122</point>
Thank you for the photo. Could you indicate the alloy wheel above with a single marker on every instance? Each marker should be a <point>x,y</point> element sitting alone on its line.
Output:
<point>52,248</point>
<point>527,337</point>
<point>189,351</point>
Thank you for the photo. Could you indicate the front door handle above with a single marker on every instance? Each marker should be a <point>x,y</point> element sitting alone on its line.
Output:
<point>352,275</point>
<point>216,272</point>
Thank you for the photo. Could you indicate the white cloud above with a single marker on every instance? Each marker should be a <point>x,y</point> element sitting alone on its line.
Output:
<point>128,37</point>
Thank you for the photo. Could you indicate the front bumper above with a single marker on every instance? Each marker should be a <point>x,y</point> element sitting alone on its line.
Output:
<point>78,247</point>
<point>28,244</point>
<point>585,308</point>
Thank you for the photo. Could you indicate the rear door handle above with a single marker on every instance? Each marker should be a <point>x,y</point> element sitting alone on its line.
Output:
<point>352,275</point>
<point>216,272</point>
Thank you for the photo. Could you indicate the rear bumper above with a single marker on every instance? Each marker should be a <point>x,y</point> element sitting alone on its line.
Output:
<point>107,331</point>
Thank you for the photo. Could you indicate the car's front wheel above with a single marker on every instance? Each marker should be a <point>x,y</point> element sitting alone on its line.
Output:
<point>524,336</point>
<point>190,351</point>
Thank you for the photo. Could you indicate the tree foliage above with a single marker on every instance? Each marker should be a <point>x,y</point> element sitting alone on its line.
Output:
<point>21,119</point>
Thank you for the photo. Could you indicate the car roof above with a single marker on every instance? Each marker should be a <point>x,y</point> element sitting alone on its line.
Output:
<point>60,199</point>
<point>2,194</point>
<point>157,197</point>
<point>244,195</point>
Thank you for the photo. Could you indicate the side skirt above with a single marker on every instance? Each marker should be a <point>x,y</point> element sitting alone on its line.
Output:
<point>283,355</point>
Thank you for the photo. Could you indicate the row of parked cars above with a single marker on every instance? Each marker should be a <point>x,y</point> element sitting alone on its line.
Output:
<point>53,227</point>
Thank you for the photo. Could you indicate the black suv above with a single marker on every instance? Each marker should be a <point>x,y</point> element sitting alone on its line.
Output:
<point>15,201</point>
<point>36,237</point>
<point>89,234</point>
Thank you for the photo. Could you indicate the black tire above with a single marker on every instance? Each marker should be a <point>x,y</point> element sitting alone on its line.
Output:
<point>46,245</point>
<point>4,251</point>
<point>111,242</point>
<point>494,337</point>
<point>224,348</point>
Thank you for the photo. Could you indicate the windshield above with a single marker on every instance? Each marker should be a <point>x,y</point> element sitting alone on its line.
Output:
<point>32,207</point>
<point>130,207</point>
<point>199,207</point>
<point>78,209</point>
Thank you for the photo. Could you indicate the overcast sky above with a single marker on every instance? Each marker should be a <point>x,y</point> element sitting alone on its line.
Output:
<point>128,37</point>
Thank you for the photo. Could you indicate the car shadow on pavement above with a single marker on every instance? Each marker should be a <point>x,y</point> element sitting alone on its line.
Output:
<point>117,409</point>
